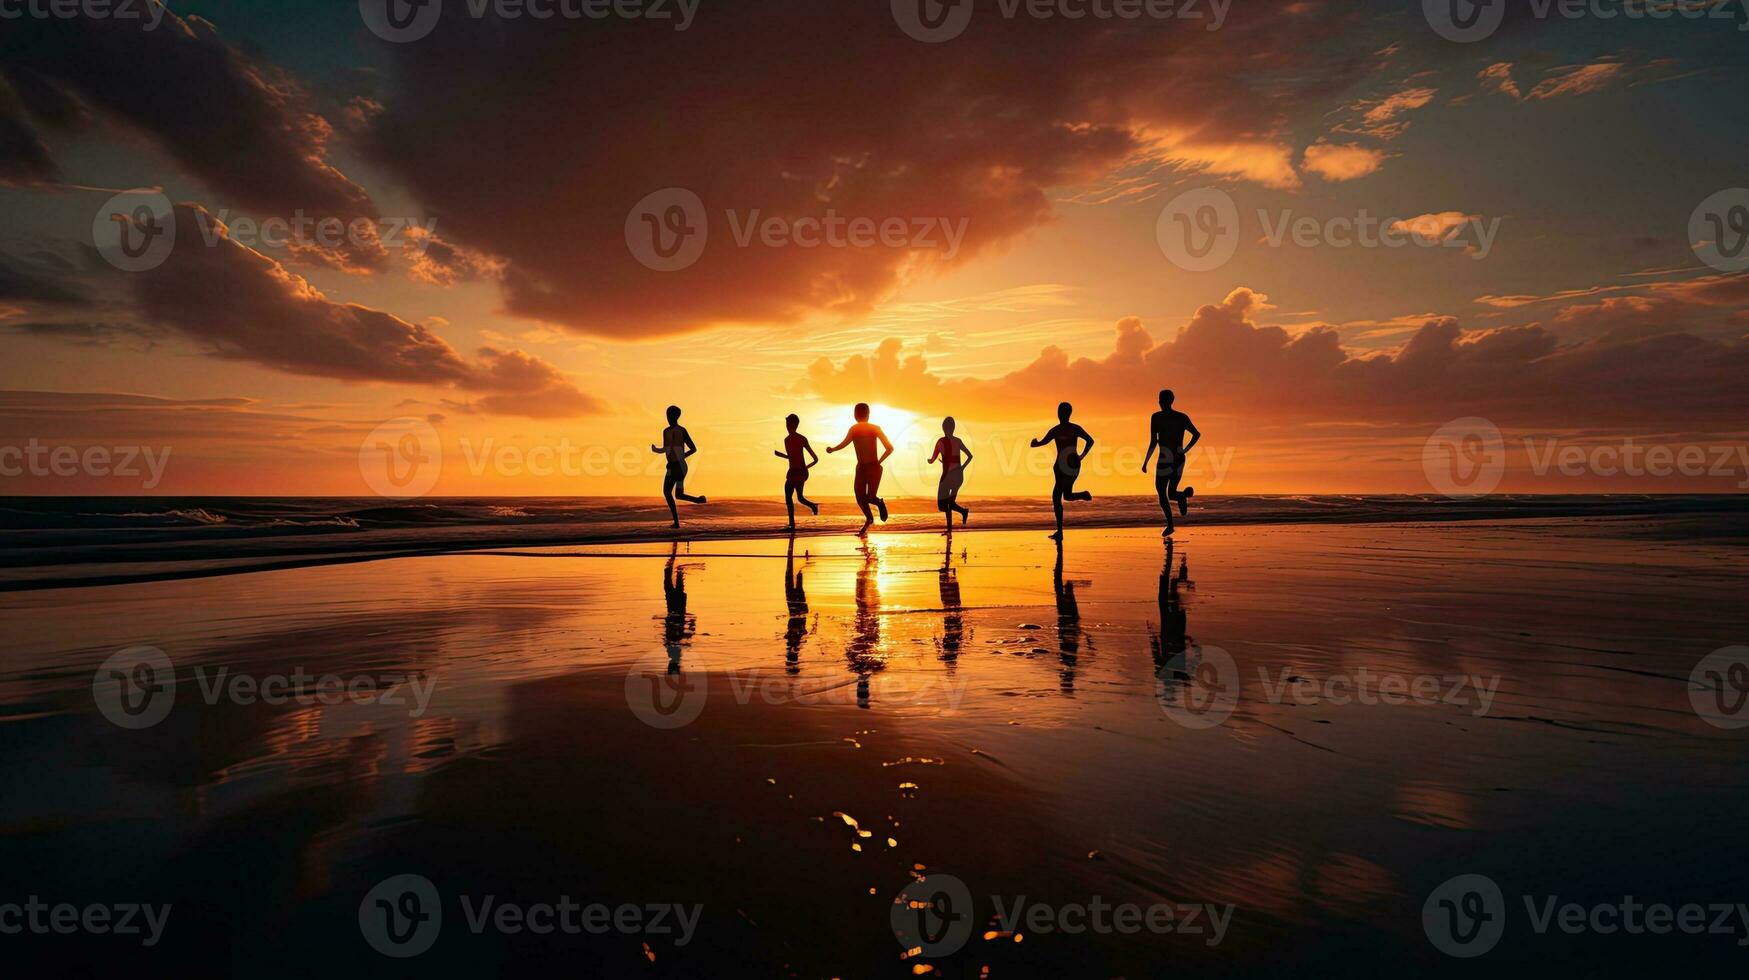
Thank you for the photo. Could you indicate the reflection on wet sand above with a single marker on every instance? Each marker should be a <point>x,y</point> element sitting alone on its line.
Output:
<point>1326,823</point>
<point>796,597</point>
<point>864,651</point>
<point>1173,660</point>
<point>1069,633</point>
<point>953,620</point>
<point>678,626</point>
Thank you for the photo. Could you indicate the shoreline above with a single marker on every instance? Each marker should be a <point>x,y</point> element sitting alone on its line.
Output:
<point>241,555</point>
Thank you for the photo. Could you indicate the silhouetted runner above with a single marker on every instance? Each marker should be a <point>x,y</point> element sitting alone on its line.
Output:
<point>794,445</point>
<point>1166,430</point>
<point>868,466</point>
<point>954,457</point>
<point>677,444</point>
<point>1067,435</point>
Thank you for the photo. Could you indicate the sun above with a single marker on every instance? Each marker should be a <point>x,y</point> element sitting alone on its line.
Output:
<point>912,439</point>
<point>829,424</point>
<point>893,420</point>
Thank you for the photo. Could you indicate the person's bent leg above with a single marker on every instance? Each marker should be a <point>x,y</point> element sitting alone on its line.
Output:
<point>874,489</point>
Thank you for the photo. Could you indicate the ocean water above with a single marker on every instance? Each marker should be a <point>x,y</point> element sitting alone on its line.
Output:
<point>52,541</point>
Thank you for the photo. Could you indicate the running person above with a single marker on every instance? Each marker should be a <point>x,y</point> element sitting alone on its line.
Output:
<point>1067,436</point>
<point>794,445</point>
<point>1166,430</point>
<point>676,444</point>
<point>867,484</point>
<point>950,451</point>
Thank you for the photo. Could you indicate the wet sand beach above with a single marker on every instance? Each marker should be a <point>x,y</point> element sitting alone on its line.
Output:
<point>1290,736</point>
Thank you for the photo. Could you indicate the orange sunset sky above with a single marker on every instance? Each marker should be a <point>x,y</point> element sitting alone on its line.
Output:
<point>1554,171</point>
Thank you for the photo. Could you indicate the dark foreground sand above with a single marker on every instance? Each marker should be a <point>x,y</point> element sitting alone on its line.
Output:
<point>1301,732</point>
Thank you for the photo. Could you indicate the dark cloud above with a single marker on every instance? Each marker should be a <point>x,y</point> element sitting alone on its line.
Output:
<point>245,306</point>
<point>242,127</point>
<point>24,160</point>
<point>87,333</point>
<point>794,109</point>
<point>85,400</point>
<point>38,277</point>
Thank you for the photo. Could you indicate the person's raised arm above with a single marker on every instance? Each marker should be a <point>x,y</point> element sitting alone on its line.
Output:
<point>691,447</point>
<point>1083,435</point>
<point>882,433</point>
<point>1194,434</point>
<point>966,452</point>
<point>1153,440</point>
<point>937,454</point>
<point>780,454</point>
<point>846,442</point>
<point>810,449</point>
<point>1041,440</point>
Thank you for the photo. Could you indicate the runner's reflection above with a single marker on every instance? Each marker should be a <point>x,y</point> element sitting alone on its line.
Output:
<point>1171,641</point>
<point>954,618</point>
<point>797,598</point>
<point>678,626</point>
<point>864,652</point>
<point>1069,632</point>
